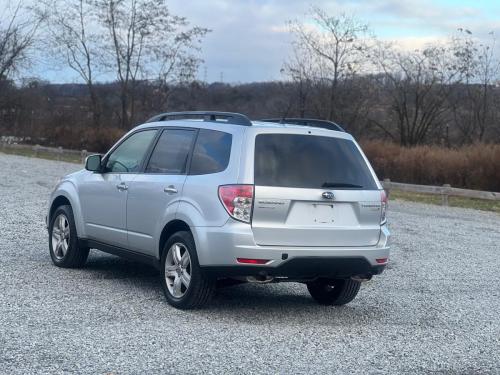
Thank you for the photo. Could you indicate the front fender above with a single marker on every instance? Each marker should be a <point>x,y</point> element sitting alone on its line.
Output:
<point>68,190</point>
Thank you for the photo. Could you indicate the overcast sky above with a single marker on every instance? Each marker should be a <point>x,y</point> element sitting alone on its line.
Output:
<point>249,41</point>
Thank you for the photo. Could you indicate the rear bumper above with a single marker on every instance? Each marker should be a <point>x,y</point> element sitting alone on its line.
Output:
<point>219,247</point>
<point>303,268</point>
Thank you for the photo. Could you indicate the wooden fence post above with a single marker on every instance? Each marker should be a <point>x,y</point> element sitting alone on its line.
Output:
<point>84,156</point>
<point>445,190</point>
<point>387,186</point>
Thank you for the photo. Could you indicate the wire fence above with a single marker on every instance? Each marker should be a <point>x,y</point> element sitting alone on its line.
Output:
<point>57,153</point>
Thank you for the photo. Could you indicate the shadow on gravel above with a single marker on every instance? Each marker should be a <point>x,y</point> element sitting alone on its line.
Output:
<point>288,303</point>
<point>244,306</point>
<point>255,296</point>
<point>111,267</point>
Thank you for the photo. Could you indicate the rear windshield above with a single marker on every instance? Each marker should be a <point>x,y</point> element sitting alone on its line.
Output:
<point>306,161</point>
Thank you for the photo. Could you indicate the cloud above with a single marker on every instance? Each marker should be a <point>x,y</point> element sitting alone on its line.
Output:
<point>423,10</point>
<point>414,43</point>
<point>250,40</point>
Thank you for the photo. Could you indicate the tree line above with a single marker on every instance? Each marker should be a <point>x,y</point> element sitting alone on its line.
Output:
<point>444,94</point>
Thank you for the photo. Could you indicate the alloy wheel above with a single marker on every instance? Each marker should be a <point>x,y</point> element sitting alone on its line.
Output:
<point>60,236</point>
<point>178,270</point>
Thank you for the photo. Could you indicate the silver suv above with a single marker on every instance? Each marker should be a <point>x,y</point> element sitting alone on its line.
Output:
<point>212,197</point>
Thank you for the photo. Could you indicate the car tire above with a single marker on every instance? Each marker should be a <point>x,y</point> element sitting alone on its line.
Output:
<point>333,292</point>
<point>179,260</point>
<point>63,240</point>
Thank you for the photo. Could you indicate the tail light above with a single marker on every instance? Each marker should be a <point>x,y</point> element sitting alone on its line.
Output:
<point>238,201</point>
<point>383,204</point>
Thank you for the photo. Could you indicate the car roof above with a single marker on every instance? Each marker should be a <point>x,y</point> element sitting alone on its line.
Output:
<point>231,128</point>
<point>236,123</point>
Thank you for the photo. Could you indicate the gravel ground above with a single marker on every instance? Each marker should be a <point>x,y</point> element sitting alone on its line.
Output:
<point>435,309</point>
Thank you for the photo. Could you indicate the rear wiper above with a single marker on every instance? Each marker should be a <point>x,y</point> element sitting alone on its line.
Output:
<point>340,185</point>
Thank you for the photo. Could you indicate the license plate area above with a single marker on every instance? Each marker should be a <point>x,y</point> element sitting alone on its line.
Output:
<point>311,214</point>
<point>323,214</point>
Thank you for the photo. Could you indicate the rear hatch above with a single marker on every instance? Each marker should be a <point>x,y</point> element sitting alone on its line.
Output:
<point>313,191</point>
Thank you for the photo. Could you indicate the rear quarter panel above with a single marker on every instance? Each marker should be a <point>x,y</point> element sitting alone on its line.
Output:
<point>200,205</point>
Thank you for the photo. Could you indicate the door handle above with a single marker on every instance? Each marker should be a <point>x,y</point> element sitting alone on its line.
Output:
<point>122,186</point>
<point>170,189</point>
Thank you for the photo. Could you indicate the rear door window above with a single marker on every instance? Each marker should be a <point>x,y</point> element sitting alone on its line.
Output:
<point>171,153</point>
<point>211,152</point>
<point>306,161</point>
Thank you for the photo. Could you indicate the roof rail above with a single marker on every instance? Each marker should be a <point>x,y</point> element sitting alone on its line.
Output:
<point>227,117</point>
<point>330,125</point>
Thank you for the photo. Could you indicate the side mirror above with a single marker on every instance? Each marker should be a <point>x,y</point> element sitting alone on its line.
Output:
<point>93,163</point>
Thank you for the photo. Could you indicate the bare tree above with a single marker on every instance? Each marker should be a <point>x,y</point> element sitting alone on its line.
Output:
<point>327,65</point>
<point>473,102</point>
<point>17,34</point>
<point>77,39</point>
<point>336,45</point>
<point>418,85</point>
<point>146,40</point>
<point>300,68</point>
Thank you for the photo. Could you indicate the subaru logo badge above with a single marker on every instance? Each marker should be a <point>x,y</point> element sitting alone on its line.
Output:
<point>328,195</point>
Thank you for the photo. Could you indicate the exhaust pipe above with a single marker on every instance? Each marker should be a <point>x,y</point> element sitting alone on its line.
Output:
<point>260,279</point>
<point>361,278</point>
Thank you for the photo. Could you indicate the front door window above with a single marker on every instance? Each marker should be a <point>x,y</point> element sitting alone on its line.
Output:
<point>128,156</point>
